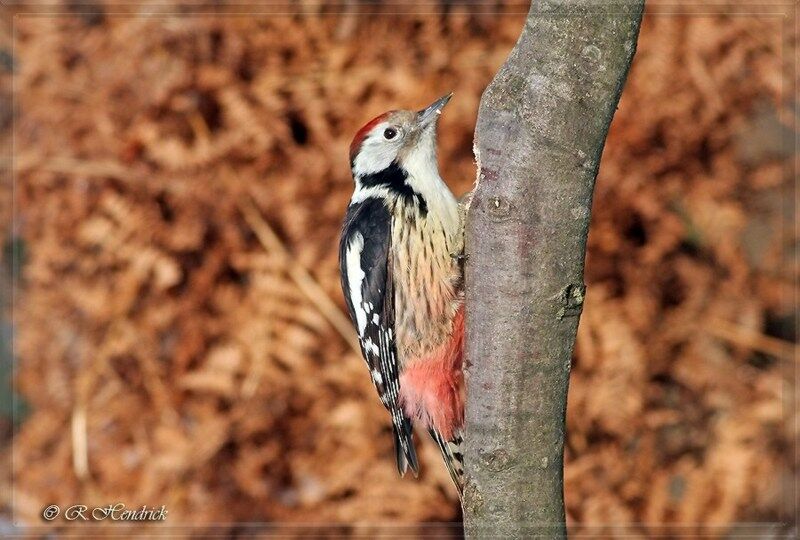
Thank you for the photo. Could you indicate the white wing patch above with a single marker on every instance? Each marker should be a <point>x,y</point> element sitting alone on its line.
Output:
<point>355,277</point>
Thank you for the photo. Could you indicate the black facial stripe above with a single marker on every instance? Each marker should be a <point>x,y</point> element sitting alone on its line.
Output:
<point>423,206</point>
<point>394,178</point>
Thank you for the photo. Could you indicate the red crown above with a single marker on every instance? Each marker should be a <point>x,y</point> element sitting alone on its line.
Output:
<point>361,134</point>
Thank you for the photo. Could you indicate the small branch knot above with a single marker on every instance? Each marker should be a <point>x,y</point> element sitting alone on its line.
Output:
<point>592,53</point>
<point>499,208</point>
<point>571,300</point>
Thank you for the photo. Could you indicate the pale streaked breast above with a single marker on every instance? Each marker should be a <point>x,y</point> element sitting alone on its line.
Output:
<point>427,281</point>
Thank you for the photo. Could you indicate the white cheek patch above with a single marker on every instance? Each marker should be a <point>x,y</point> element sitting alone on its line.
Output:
<point>355,277</point>
<point>376,152</point>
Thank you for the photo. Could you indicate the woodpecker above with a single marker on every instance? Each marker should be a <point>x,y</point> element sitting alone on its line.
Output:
<point>400,257</point>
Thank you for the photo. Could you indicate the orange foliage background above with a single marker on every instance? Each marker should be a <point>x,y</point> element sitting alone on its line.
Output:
<point>167,355</point>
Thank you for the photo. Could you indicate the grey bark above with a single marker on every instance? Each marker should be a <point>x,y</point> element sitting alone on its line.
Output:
<point>541,129</point>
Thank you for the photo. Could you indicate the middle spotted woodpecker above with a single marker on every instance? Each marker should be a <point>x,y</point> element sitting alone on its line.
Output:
<point>400,260</point>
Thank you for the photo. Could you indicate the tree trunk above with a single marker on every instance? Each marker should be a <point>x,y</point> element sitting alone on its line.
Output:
<point>541,129</point>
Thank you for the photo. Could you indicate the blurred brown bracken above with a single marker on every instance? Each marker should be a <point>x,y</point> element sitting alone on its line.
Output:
<point>169,356</point>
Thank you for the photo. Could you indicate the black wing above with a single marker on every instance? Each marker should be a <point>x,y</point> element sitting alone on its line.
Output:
<point>367,284</point>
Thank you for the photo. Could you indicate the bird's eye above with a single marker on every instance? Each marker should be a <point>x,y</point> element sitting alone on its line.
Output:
<point>390,133</point>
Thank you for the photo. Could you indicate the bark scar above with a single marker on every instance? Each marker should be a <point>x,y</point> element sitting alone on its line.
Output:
<point>473,501</point>
<point>495,460</point>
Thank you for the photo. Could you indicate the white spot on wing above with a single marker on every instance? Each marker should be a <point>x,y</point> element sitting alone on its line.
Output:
<point>371,346</point>
<point>355,277</point>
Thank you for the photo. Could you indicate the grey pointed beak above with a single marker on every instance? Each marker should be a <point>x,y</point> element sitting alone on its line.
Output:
<point>429,114</point>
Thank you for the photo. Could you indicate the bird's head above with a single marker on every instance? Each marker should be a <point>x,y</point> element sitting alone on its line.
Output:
<point>402,137</point>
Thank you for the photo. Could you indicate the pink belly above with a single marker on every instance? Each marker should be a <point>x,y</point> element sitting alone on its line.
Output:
<point>431,387</point>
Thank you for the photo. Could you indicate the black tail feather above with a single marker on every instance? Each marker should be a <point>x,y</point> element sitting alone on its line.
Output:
<point>405,452</point>
<point>453,459</point>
